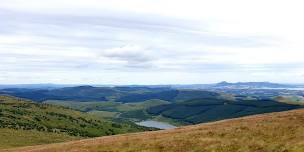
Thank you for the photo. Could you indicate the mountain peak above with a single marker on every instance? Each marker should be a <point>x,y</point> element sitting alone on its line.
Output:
<point>223,83</point>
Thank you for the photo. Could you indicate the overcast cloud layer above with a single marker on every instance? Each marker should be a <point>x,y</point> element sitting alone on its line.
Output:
<point>151,42</point>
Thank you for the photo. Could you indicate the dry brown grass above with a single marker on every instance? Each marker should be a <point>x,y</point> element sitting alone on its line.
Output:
<point>276,132</point>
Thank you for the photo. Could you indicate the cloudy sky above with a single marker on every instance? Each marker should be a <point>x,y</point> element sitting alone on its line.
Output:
<point>151,41</point>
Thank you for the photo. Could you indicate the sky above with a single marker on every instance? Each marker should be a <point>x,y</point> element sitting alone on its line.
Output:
<point>151,41</point>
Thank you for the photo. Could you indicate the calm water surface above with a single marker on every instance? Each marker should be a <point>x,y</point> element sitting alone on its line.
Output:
<point>156,124</point>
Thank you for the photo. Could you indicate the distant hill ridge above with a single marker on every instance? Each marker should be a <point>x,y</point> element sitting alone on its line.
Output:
<point>225,84</point>
<point>120,94</point>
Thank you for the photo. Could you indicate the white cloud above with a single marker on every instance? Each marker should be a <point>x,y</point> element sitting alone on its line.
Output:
<point>143,41</point>
<point>130,53</point>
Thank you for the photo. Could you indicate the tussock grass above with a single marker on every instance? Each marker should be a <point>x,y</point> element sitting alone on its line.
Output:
<point>10,138</point>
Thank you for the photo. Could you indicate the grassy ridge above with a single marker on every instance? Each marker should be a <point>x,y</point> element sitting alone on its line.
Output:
<point>276,132</point>
<point>20,114</point>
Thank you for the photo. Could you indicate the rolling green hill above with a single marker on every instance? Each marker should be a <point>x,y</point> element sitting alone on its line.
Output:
<point>107,106</point>
<point>80,93</point>
<point>21,116</point>
<point>297,100</point>
<point>205,110</point>
<point>109,109</point>
<point>118,94</point>
<point>180,112</point>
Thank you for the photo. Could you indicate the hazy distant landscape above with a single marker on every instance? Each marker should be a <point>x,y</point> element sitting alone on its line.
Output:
<point>168,103</point>
<point>77,112</point>
<point>151,76</point>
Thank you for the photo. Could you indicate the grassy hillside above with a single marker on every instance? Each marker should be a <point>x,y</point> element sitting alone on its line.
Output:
<point>205,110</point>
<point>297,100</point>
<point>10,138</point>
<point>276,132</point>
<point>54,121</point>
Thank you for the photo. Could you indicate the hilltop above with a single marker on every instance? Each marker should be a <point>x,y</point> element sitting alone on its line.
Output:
<point>279,132</point>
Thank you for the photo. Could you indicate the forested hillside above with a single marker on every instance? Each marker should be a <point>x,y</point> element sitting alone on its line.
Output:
<point>24,115</point>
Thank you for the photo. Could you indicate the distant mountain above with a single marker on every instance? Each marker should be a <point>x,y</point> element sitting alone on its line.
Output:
<point>34,86</point>
<point>238,85</point>
<point>250,85</point>
<point>79,93</point>
<point>192,86</point>
<point>120,94</point>
<point>157,87</point>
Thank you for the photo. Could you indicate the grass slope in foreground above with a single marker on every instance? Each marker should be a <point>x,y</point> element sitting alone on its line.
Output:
<point>275,132</point>
<point>10,138</point>
<point>23,122</point>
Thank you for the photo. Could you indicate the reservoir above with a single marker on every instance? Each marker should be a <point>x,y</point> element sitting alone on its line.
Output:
<point>155,124</point>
